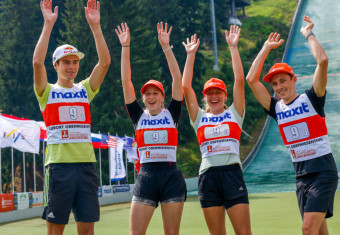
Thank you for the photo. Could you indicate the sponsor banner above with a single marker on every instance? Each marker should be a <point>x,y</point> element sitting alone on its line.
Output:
<point>107,190</point>
<point>100,191</point>
<point>38,198</point>
<point>22,200</point>
<point>6,202</point>
<point>117,169</point>
<point>120,188</point>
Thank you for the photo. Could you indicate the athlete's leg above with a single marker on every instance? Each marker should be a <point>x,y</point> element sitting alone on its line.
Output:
<point>172,214</point>
<point>85,228</point>
<point>312,222</point>
<point>55,229</point>
<point>324,229</point>
<point>140,216</point>
<point>215,219</point>
<point>239,216</point>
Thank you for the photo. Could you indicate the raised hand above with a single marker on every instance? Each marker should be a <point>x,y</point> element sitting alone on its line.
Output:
<point>164,35</point>
<point>92,12</point>
<point>46,9</point>
<point>123,34</point>
<point>232,36</point>
<point>308,28</point>
<point>273,41</point>
<point>192,45</point>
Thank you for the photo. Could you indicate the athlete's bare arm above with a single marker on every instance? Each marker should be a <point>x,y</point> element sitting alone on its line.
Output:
<point>92,14</point>
<point>123,34</point>
<point>232,38</point>
<point>191,48</point>
<point>260,92</point>
<point>164,40</point>
<point>320,75</point>
<point>39,70</point>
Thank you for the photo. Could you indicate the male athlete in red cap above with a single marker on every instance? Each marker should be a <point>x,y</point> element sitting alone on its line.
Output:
<point>301,120</point>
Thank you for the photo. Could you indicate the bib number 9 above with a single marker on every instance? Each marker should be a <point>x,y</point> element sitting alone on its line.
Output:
<point>296,132</point>
<point>156,137</point>
<point>216,131</point>
<point>71,113</point>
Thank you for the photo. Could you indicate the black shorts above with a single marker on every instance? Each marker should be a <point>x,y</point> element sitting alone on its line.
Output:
<point>315,192</point>
<point>159,182</point>
<point>222,186</point>
<point>71,186</point>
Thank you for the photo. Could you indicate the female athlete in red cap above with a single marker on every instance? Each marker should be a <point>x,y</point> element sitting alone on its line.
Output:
<point>159,180</point>
<point>218,129</point>
<point>301,120</point>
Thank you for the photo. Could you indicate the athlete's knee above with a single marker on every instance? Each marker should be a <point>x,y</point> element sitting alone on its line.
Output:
<point>308,229</point>
<point>171,232</point>
<point>244,231</point>
<point>217,232</point>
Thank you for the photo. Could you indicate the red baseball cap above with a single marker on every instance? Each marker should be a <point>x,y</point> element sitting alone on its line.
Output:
<point>278,68</point>
<point>155,83</point>
<point>214,83</point>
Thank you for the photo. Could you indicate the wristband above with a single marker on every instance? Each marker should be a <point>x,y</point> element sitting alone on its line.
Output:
<point>233,45</point>
<point>126,46</point>
<point>169,48</point>
<point>309,34</point>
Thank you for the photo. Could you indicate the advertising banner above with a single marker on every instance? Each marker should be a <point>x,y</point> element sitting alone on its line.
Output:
<point>21,201</point>
<point>107,190</point>
<point>117,169</point>
<point>6,202</point>
<point>120,188</point>
<point>38,198</point>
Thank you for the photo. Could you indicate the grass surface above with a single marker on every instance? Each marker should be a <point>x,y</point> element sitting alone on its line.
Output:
<point>274,213</point>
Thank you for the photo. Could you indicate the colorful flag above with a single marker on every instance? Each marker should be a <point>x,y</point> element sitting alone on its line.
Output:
<point>130,145</point>
<point>21,134</point>
<point>112,142</point>
<point>43,133</point>
<point>98,141</point>
<point>128,142</point>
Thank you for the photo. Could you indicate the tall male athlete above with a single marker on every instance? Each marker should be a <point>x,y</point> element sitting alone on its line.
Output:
<point>70,177</point>
<point>301,120</point>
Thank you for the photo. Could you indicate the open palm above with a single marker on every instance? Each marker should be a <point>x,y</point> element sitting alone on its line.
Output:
<point>164,34</point>
<point>233,35</point>
<point>46,9</point>
<point>273,41</point>
<point>123,34</point>
<point>92,12</point>
<point>192,45</point>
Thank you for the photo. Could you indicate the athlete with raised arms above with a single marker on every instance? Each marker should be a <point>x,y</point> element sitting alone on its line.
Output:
<point>301,120</point>
<point>221,186</point>
<point>70,179</point>
<point>159,180</point>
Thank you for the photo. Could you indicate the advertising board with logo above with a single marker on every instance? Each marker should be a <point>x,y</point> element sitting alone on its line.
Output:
<point>6,202</point>
<point>120,188</point>
<point>38,198</point>
<point>107,190</point>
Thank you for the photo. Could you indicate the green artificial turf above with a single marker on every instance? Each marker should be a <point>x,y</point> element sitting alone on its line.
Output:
<point>272,213</point>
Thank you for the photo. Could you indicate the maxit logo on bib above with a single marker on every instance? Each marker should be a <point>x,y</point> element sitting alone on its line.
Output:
<point>154,122</point>
<point>69,95</point>
<point>293,112</point>
<point>216,119</point>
